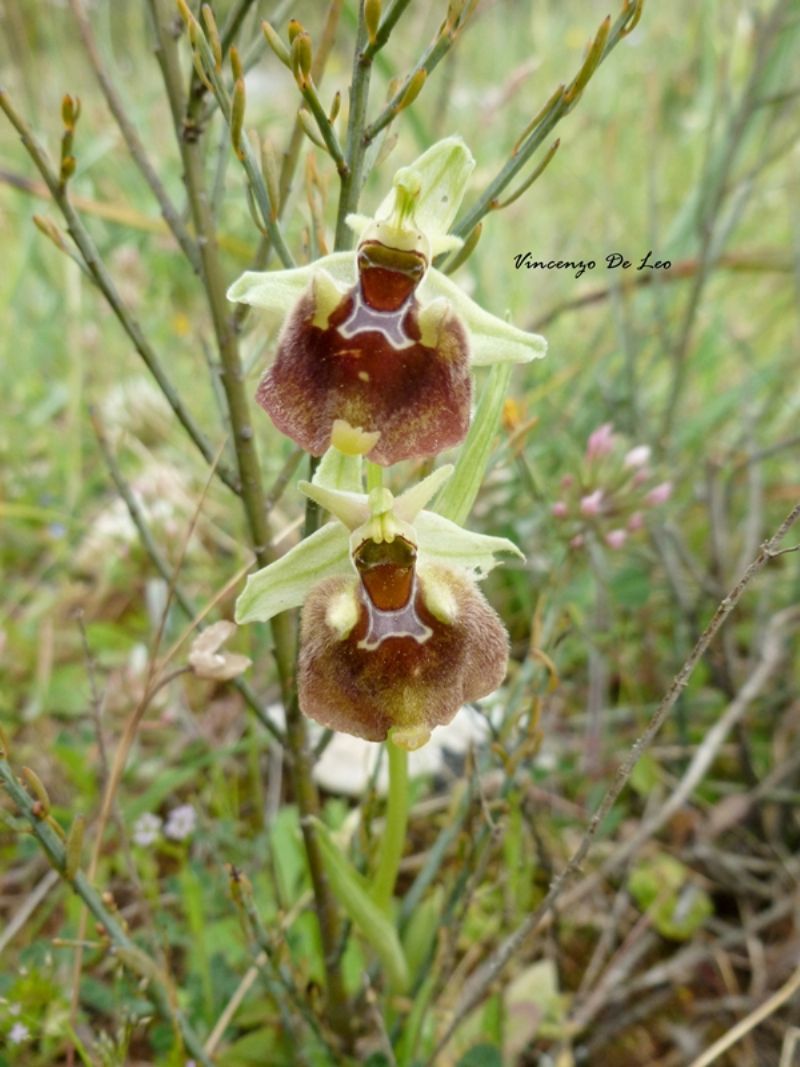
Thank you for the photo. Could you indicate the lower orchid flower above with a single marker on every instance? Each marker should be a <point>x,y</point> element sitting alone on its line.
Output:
<point>378,341</point>
<point>395,635</point>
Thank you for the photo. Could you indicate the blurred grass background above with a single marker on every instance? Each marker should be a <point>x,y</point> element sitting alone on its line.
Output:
<point>685,143</point>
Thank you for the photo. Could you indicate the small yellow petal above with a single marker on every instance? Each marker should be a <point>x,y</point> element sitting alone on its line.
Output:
<point>352,440</point>
<point>410,737</point>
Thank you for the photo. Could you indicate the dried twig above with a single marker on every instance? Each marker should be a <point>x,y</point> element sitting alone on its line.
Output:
<point>482,978</point>
<point>744,1026</point>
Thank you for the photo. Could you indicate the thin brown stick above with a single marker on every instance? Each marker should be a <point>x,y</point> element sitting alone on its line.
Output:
<point>744,1026</point>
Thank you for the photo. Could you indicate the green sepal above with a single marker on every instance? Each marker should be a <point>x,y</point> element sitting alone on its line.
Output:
<point>276,291</point>
<point>492,340</point>
<point>351,891</point>
<point>287,582</point>
<point>442,541</point>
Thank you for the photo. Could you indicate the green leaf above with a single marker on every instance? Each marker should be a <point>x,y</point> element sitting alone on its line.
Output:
<point>481,1056</point>
<point>663,888</point>
<point>456,499</point>
<point>420,933</point>
<point>351,891</point>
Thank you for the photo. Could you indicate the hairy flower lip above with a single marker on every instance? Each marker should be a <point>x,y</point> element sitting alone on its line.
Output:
<point>399,683</point>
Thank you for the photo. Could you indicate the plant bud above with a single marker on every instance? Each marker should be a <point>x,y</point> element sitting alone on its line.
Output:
<point>236,64</point>
<point>301,58</point>
<point>213,34</point>
<point>372,18</point>
<point>269,168</point>
<point>237,116</point>
<point>413,88</point>
<point>276,44</point>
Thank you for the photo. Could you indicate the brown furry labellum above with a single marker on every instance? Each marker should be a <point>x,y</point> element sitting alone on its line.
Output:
<point>376,360</point>
<point>393,649</point>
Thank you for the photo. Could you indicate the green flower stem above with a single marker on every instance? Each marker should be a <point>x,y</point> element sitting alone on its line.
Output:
<point>394,835</point>
<point>374,476</point>
<point>157,984</point>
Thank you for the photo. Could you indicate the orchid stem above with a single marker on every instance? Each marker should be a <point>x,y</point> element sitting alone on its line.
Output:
<point>374,476</point>
<point>394,836</point>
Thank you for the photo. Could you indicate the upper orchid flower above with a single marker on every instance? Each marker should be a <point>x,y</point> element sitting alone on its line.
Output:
<point>395,635</point>
<point>375,352</point>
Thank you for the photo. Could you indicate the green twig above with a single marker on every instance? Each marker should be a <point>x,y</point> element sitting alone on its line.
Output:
<point>480,981</point>
<point>306,796</point>
<point>291,155</point>
<point>388,23</point>
<point>430,59</point>
<point>236,16</point>
<point>324,125</point>
<point>558,107</point>
<point>714,188</point>
<point>188,117</point>
<point>352,179</point>
<point>242,893</point>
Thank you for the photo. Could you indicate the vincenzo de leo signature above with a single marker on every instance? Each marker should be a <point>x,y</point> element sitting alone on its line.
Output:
<point>613,261</point>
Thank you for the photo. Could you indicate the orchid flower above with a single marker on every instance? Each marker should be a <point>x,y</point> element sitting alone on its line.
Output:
<point>395,635</point>
<point>375,350</point>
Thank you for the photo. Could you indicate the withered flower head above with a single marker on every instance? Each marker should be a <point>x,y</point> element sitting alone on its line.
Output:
<point>395,635</point>
<point>374,355</point>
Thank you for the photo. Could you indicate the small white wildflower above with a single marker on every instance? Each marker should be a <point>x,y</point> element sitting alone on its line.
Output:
<point>14,1009</point>
<point>181,822</point>
<point>146,829</point>
<point>18,1033</point>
